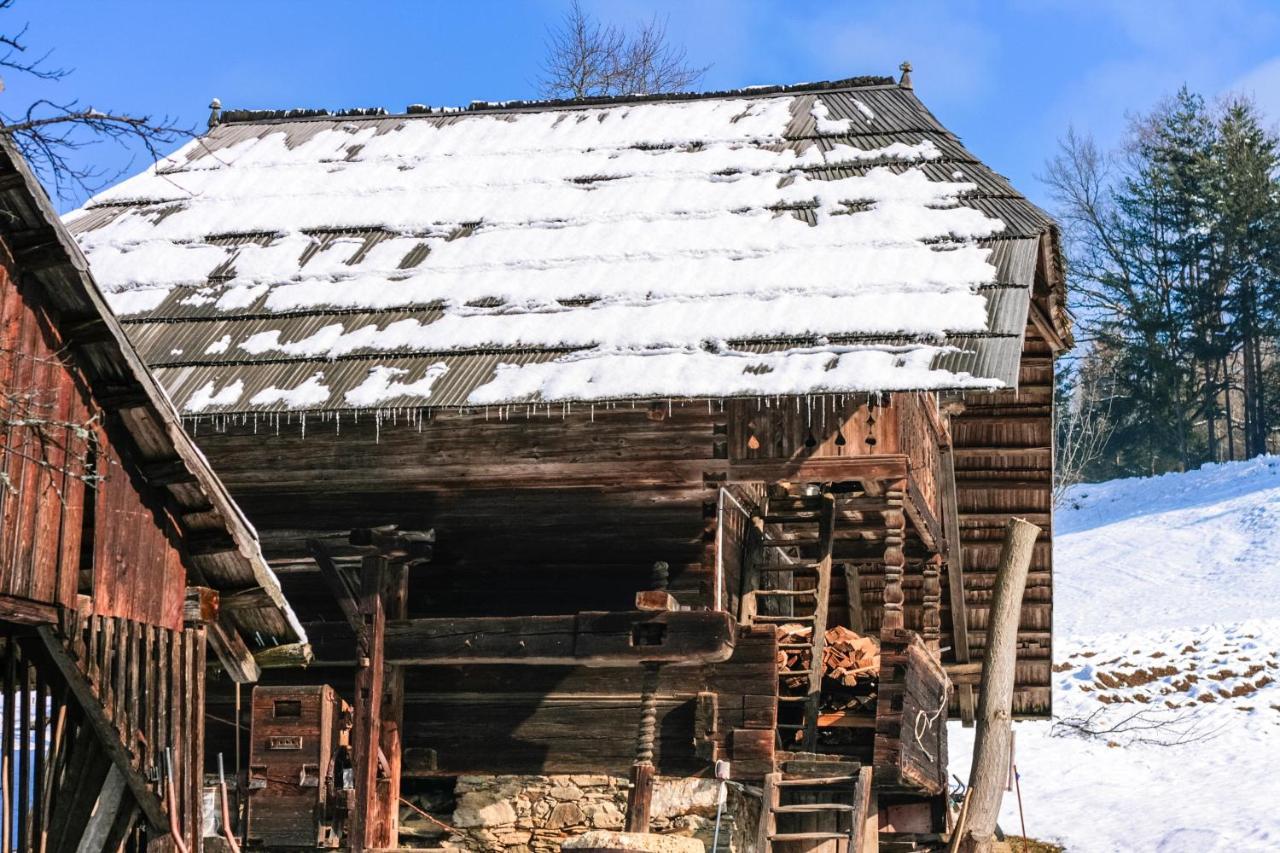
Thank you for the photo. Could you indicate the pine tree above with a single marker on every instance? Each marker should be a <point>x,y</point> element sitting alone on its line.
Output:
<point>1245,199</point>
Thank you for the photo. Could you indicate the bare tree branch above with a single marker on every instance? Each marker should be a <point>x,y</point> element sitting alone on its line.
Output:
<point>1145,726</point>
<point>48,133</point>
<point>586,58</point>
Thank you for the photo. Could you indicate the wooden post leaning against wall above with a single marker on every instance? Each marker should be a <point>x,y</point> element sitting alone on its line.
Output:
<point>995,695</point>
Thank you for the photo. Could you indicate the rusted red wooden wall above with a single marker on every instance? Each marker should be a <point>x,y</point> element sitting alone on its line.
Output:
<point>137,569</point>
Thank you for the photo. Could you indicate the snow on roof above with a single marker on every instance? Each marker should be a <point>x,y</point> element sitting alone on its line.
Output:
<point>765,242</point>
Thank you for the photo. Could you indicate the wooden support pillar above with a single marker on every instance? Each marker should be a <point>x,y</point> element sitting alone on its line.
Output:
<point>366,735</point>
<point>822,590</point>
<point>895,561</point>
<point>640,797</point>
<point>397,607</point>
<point>931,619</point>
<point>955,578</point>
<point>990,767</point>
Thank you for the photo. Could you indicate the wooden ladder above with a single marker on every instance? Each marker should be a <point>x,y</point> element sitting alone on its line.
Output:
<point>799,594</point>
<point>821,807</point>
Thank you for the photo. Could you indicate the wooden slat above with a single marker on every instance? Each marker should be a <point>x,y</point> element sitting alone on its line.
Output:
<point>102,727</point>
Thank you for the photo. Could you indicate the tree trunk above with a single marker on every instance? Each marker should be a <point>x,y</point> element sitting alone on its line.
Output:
<point>990,767</point>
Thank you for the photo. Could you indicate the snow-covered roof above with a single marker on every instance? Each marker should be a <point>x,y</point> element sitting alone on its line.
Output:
<point>833,238</point>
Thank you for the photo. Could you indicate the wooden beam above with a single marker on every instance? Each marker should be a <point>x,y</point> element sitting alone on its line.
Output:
<point>341,591</point>
<point>1043,324</point>
<point>656,599</point>
<point>27,612</point>
<point>232,653</point>
<point>586,639</point>
<point>835,469</point>
<point>201,604</point>
<point>164,472</point>
<point>249,598</point>
<point>107,735</point>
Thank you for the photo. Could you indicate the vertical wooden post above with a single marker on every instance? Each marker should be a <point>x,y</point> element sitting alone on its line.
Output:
<point>931,618</point>
<point>990,768</point>
<point>640,797</point>
<point>955,577</point>
<point>397,607</point>
<point>642,771</point>
<point>366,732</point>
<point>895,561</point>
<point>826,544</point>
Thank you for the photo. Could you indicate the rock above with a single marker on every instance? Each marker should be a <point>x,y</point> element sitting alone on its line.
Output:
<point>647,842</point>
<point>565,814</point>
<point>603,815</point>
<point>565,792</point>
<point>481,808</point>
<point>676,797</point>
<point>508,840</point>
<point>591,780</point>
<point>541,809</point>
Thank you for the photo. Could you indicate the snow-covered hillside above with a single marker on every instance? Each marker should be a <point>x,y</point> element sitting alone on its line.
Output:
<point>1167,629</point>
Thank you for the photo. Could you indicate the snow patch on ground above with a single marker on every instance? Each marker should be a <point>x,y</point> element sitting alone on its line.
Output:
<point>1167,633</point>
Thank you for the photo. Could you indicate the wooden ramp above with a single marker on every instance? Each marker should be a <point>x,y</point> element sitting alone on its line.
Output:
<point>818,807</point>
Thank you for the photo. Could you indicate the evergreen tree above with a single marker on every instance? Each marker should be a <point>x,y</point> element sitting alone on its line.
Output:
<point>1174,267</point>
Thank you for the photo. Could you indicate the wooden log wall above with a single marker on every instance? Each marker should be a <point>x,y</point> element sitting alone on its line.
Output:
<point>1004,467</point>
<point>128,545</point>
<point>534,720</point>
<point>523,509</point>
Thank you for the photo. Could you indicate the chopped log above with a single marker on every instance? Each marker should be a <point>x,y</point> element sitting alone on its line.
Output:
<point>990,767</point>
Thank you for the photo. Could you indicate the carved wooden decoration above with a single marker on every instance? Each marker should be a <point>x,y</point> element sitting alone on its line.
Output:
<point>894,559</point>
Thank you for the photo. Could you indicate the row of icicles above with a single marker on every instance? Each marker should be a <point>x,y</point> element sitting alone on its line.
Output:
<point>815,406</point>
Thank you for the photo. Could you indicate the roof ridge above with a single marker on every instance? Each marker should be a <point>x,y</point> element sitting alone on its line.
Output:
<point>869,81</point>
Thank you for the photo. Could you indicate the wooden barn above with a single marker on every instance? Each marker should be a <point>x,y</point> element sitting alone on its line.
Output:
<point>646,414</point>
<point>117,546</point>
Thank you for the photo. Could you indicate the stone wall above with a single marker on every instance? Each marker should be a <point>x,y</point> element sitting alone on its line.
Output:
<point>533,814</point>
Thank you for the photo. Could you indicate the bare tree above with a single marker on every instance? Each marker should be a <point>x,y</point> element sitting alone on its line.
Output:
<point>48,133</point>
<point>586,58</point>
<point>1082,426</point>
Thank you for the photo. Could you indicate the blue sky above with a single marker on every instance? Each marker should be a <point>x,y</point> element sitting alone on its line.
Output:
<point>1009,77</point>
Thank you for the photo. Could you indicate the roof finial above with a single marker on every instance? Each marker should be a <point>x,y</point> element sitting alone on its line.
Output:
<point>905,82</point>
<point>215,113</point>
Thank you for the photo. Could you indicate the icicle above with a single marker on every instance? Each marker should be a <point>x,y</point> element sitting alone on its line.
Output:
<point>337,424</point>
<point>303,420</point>
<point>593,413</point>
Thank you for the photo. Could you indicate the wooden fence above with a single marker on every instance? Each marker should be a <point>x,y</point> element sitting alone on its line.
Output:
<point>87,713</point>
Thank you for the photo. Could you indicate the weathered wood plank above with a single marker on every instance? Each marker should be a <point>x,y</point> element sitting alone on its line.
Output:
<point>589,639</point>
<point>108,740</point>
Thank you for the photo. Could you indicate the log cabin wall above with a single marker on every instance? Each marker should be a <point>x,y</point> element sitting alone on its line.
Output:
<point>1004,467</point>
<point>128,550</point>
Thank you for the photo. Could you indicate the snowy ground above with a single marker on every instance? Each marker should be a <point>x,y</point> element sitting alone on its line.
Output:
<point>1167,625</point>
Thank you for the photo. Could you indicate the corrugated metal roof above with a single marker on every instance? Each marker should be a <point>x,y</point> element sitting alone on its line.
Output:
<point>193,330</point>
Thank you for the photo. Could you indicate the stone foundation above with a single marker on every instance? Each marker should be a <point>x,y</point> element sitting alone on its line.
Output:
<point>534,814</point>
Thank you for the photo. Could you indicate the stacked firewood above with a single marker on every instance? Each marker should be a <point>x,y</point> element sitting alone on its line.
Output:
<point>846,655</point>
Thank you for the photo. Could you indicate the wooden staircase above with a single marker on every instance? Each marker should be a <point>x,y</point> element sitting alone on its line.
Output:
<point>818,807</point>
<point>791,584</point>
